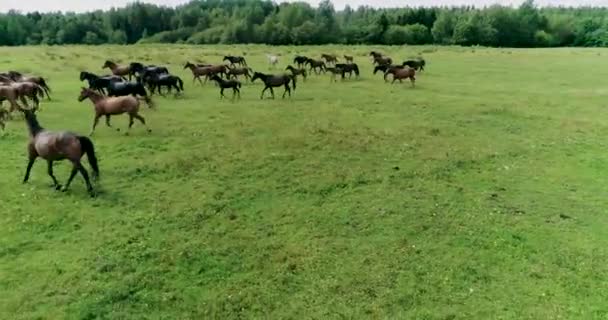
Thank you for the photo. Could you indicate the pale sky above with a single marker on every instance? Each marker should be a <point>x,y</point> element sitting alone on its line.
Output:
<point>88,5</point>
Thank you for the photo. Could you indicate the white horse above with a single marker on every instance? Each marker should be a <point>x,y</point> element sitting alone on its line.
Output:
<point>272,60</point>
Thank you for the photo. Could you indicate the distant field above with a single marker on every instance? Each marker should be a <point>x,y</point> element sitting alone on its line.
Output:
<point>480,194</point>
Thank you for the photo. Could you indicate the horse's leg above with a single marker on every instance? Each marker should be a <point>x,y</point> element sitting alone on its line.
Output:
<point>56,184</point>
<point>85,175</point>
<point>194,80</point>
<point>271,91</point>
<point>201,81</point>
<point>95,122</point>
<point>413,81</point>
<point>222,93</point>
<point>262,96</point>
<point>108,122</point>
<point>142,120</point>
<point>30,164</point>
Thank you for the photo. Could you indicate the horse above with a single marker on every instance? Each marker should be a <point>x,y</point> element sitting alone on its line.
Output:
<point>300,61</point>
<point>11,94</point>
<point>402,73</point>
<point>138,68</point>
<point>235,85</point>
<point>272,60</point>
<point>329,58</point>
<point>111,106</point>
<point>121,89</point>
<point>3,117</point>
<point>18,77</point>
<point>417,64</point>
<point>236,60</point>
<point>333,72</point>
<point>348,68</point>
<point>158,81</point>
<point>271,81</point>
<point>99,83</point>
<point>297,72</point>
<point>316,64</point>
<point>384,67</point>
<point>57,146</point>
<point>28,90</point>
<point>197,72</point>
<point>242,71</point>
<point>379,60</point>
<point>349,59</point>
<point>118,70</point>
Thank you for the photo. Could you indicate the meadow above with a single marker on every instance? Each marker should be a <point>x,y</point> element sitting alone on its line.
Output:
<point>479,194</point>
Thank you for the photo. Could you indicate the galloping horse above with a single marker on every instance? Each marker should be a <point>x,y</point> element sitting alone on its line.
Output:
<point>297,72</point>
<point>11,94</point>
<point>119,70</point>
<point>197,72</point>
<point>300,61</point>
<point>158,81</point>
<point>384,67</point>
<point>18,77</point>
<point>417,64</point>
<point>99,83</point>
<point>271,81</point>
<point>111,106</point>
<point>402,73</point>
<point>57,146</point>
<point>236,60</point>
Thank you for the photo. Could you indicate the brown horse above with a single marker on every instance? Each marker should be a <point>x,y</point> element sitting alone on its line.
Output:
<point>239,71</point>
<point>297,72</point>
<point>28,90</point>
<point>208,72</point>
<point>334,72</point>
<point>111,106</point>
<point>349,59</point>
<point>271,81</point>
<point>11,94</point>
<point>329,58</point>
<point>118,70</point>
<point>57,146</point>
<point>402,73</point>
<point>18,77</point>
<point>316,64</point>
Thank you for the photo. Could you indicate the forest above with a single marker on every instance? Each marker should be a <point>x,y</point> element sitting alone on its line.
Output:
<point>258,21</point>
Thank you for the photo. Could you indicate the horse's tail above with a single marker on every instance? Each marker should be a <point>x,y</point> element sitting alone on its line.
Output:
<point>87,147</point>
<point>46,88</point>
<point>181,83</point>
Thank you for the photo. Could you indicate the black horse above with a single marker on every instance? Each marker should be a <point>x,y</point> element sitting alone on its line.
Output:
<point>297,72</point>
<point>100,84</point>
<point>234,60</point>
<point>348,68</point>
<point>271,81</point>
<point>300,61</point>
<point>140,69</point>
<point>120,89</point>
<point>158,81</point>
<point>235,85</point>
<point>417,64</point>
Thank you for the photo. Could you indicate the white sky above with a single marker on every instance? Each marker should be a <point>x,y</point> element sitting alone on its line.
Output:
<point>87,5</point>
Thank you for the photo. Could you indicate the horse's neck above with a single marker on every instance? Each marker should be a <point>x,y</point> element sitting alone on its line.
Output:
<point>95,98</point>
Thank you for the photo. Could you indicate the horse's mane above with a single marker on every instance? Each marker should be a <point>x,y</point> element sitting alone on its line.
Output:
<point>32,122</point>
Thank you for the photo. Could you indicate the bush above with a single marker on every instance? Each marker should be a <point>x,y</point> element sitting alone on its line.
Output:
<point>168,36</point>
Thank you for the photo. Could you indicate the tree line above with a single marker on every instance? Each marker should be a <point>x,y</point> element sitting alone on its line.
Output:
<point>262,21</point>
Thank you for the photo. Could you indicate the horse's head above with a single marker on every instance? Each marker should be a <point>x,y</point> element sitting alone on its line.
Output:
<point>107,64</point>
<point>227,58</point>
<point>84,94</point>
<point>136,66</point>
<point>257,75</point>
<point>188,65</point>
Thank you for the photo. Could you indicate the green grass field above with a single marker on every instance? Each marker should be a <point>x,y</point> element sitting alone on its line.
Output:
<point>480,194</point>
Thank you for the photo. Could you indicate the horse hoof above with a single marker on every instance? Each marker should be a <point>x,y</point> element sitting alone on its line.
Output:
<point>149,130</point>
<point>58,187</point>
<point>118,129</point>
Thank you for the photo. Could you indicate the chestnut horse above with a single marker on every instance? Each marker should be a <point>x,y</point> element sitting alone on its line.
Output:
<point>57,146</point>
<point>402,73</point>
<point>111,106</point>
<point>198,72</point>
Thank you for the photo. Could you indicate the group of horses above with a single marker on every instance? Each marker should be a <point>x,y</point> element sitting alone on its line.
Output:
<point>14,87</point>
<point>406,70</point>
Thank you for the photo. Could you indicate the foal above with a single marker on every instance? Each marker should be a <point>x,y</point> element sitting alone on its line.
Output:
<point>57,146</point>
<point>226,84</point>
<point>111,106</point>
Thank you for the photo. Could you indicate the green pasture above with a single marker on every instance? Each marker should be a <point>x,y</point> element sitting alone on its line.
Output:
<point>479,194</point>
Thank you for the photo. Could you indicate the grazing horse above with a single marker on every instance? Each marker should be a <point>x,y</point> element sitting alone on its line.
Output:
<point>235,85</point>
<point>417,64</point>
<point>18,77</point>
<point>119,70</point>
<point>348,68</point>
<point>384,67</point>
<point>349,59</point>
<point>300,61</point>
<point>57,146</point>
<point>234,60</point>
<point>402,73</point>
<point>198,72</point>
<point>272,60</point>
<point>99,83</point>
<point>242,71</point>
<point>329,58</point>
<point>316,64</point>
<point>297,72</point>
<point>158,81</point>
<point>111,106</point>
<point>271,81</point>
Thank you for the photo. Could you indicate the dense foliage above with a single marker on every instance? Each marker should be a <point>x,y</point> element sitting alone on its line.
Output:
<point>257,21</point>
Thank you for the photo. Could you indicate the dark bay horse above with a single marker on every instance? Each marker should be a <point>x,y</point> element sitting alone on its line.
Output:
<point>329,58</point>
<point>316,65</point>
<point>239,71</point>
<point>349,59</point>
<point>99,83</point>
<point>348,68</point>
<point>57,146</point>
<point>297,72</point>
<point>385,67</point>
<point>271,81</point>
<point>158,81</point>
<point>121,89</point>
<point>235,85</point>
<point>18,77</point>
<point>111,106</point>
<point>417,64</point>
<point>234,60</point>
<point>300,61</point>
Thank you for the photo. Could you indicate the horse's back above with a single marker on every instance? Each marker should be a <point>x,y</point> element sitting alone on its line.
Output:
<point>57,145</point>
